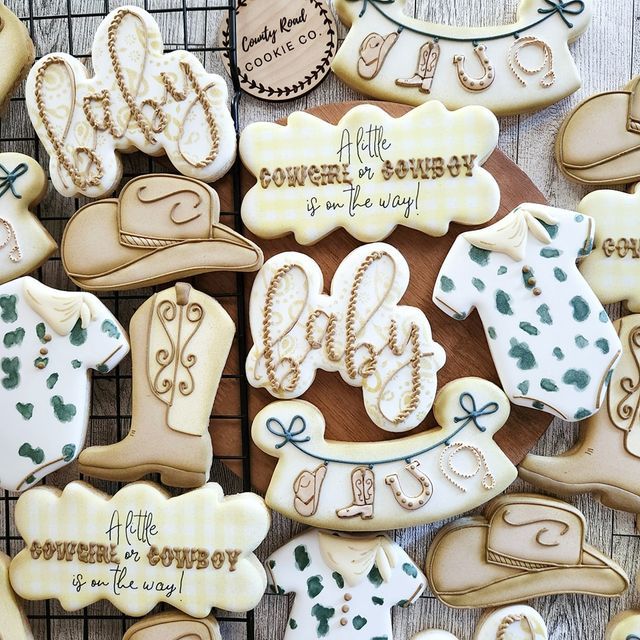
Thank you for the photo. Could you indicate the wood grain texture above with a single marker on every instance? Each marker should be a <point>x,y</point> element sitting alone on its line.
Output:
<point>607,56</point>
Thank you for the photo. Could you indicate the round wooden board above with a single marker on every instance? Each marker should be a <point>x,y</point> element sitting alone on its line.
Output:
<point>464,342</point>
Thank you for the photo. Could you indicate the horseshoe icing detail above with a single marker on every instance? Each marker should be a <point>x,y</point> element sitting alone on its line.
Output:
<point>480,83</point>
<point>411,503</point>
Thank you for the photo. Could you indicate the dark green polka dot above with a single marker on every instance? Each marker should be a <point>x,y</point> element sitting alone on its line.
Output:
<point>314,586</point>
<point>603,345</point>
<point>41,363</point>
<point>322,615</point>
<point>557,352</point>
<point>339,579</point>
<point>544,314</point>
<point>459,316</point>
<point>603,317</point>
<point>581,414</point>
<point>51,380</point>
<point>502,270</point>
<point>359,622</point>
<point>479,256</point>
<point>301,557</point>
<point>36,455</point>
<point>11,368</point>
<point>272,564</point>
<point>68,452</point>
<point>293,624</point>
<point>64,412</point>
<point>478,284</point>
<point>8,311</point>
<point>503,303</point>
<point>581,342</point>
<point>78,335</point>
<point>524,387</point>
<point>536,404</point>
<point>31,479</point>
<point>552,229</point>
<point>374,576</point>
<point>579,378</point>
<point>102,368</point>
<point>522,353</point>
<point>579,218</point>
<point>560,275</point>
<point>76,364</point>
<point>41,332</point>
<point>13,338</point>
<point>581,309</point>
<point>110,329</point>
<point>548,385</point>
<point>492,333</point>
<point>410,570</point>
<point>547,252</point>
<point>25,410</point>
<point>377,600</point>
<point>527,327</point>
<point>446,284</point>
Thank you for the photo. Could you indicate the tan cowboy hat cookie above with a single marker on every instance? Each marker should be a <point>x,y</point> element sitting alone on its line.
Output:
<point>160,228</point>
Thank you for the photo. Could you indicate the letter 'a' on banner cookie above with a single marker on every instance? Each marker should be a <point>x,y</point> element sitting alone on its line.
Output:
<point>371,486</point>
<point>370,172</point>
<point>513,68</point>
<point>138,98</point>
<point>524,546</point>
<point>360,330</point>
<point>13,621</point>
<point>551,340</point>
<point>141,548</point>
<point>624,626</point>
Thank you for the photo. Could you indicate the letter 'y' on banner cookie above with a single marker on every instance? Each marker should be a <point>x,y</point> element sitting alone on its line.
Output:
<point>140,548</point>
<point>370,173</point>
<point>510,69</point>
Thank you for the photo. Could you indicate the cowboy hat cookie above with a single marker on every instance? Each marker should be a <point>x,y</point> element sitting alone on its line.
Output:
<point>525,546</point>
<point>370,172</point>
<point>161,227</point>
<point>138,98</point>
<point>611,269</point>
<point>180,342</point>
<point>598,142</point>
<point>345,586</point>
<point>16,52</point>
<point>511,68</point>
<point>551,340</point>
<point>517,622</point>
<point>172,625</point>
<point>624,626</point>
<point>50,340</point>
<point>25,244</point>
<point>359,329</point>
<point>140,548</point>
<point>13,622</point>
<point>372,486</point>
<point>606,459</point>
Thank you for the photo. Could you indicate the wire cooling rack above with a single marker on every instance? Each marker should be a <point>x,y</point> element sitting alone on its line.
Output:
<point>69,25</point>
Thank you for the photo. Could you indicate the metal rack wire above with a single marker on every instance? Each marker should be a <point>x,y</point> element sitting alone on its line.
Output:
<point>111,393</point>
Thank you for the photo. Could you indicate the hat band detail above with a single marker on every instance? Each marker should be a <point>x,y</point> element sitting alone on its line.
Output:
<point>512,562</point>
<point>141,241</point>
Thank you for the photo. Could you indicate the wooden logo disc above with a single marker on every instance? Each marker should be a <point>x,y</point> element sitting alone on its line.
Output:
<point>284,47</point>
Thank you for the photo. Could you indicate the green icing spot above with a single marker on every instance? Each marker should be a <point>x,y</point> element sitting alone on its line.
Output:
<point>526,276</point>
<point>581,309</point>
<point>478,284</point>
<point>51,380</point>
<point>41,332</point>
<point>527,327</point>
<point>410,570</point>
<point>579,218</point>
<point>276,588</point>
<point>78,335</point>
<point>35,455</point>
<point>402,603</point>
<point>579,378</point>
<point>25,410</point>
<point>11,367</point>
<point>64,412</point>
<point>581,414</point>
<point>8,311</point>
<point>522,353</point>
<point>76,364</point>
<point>41,361</point>
<point>550,253</point>
<point>380,638</point>
<point>68,452</point>
<point>459,316</point>
<point>536,404</point>
<point>607,378</point>
<point>524,387</point>
<point>302,557</point>
<point>377,600</point>
<point>492,333</point>
<point>293,624</point>
<point>339,579</point>
<point>31,479</point>
<point>603,316</point>
<point>552,229</point>
<point>446,284</point>
<point>503,300</point>
<point>359,622</point>
<point>581,342</point>
<point>548,385</point>
<point>13,338</point>
<point>603,345</point>
<point>314,586</point>
<point>557,352</point>
<point>110,329</point>
<point>322,615</point>
<point>479,256</point>
<point>560,275</point>
<point>102,368</point>
<point>374,576</point>
<point>272,564</point>
<point>544,314</point>
<point>502,270</point>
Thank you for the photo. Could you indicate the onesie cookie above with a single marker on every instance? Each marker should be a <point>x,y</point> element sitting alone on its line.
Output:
<point>370,172</point>
<point>24,243</point>
<point>624,626</point>
<point>180,342</point>
<point>511,68</point>
<point>16,52</point>
<point>551,340</point>
<point>160,228</point>
<point>359,329</point>
<point>140,548</point>
<point>13,622</point>
<point>345,586</point>
<point>172,625</point>
<point>525,546</point>
<point>138,98</point>
<point>50,340</point>
<point>373,486</point>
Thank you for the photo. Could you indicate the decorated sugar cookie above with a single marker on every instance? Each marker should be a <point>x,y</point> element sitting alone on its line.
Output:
<point>552,342</point>
<point>24,243</point>
<point>370,172</point>
<point>624,626</point>
<point>510,68</point>
<point>49,340</point>
<point>344,586</point>
<point>359,330</point>
<point>140,548</point>
<point>13,622</point>
<point>525,546</point>
<point>16,52</point>
<point>161,227</point>
<point>138,98</point>
<point>605,460</point>
<point>172,625</point>
<point>373,486</point>
<point>180,342</point>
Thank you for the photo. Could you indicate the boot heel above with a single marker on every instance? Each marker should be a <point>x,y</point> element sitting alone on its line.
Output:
<point>182,479</point>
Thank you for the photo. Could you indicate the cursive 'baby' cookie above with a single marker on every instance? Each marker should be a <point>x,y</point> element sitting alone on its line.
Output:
<point>140,548</point>
<point>138,98</point>
<point>50,340</point>
<point>172,625</point>
<point>13,622</point>
<point>359,329</point>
